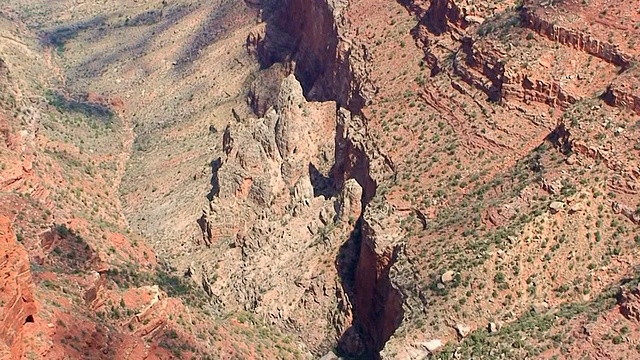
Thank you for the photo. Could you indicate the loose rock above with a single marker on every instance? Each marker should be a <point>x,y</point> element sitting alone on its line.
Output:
<point>556,206</point>
<point>433,345</point>
<point>540,307</point>
<point>463,330</point>
<point>447,277</point>
<point>577,207</point>
<point>492,328</point>
<point>330,356</point>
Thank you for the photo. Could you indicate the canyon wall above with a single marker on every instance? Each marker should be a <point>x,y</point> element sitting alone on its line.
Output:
<point>574,38</point>
<point>312,36</point>
<point>304,173</point>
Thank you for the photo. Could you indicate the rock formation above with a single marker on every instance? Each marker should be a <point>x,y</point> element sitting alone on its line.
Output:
<point>17,304</point>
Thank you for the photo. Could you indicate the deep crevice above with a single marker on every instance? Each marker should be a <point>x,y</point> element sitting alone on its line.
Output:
<point>322,185</point>
<point>377,305</point>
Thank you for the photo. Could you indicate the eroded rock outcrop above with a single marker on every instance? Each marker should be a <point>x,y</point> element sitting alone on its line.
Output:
<point>485,70</point>
<point>576,39</point>
<point>297,181</point>
<point>629,301</point>
<point>622,95</point>
<point>627,211</point>
<point>274,186</point>
<point>350,201</point>
<point>311,34</point>
<point>17,303</point>
<point>266,157</point>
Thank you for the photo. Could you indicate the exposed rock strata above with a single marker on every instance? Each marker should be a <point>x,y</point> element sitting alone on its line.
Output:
<point>484,69</point>
<point>576,39</point>
<point>621,96</point>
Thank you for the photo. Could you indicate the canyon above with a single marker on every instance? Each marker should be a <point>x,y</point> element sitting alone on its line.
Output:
<point>325,179</point>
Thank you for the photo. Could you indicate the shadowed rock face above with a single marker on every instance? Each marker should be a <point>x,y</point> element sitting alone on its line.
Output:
<point>311,35</point>
<point>17,304</point>
<point>303,31</point>
<point>377,304</point>
<point>308,34</point>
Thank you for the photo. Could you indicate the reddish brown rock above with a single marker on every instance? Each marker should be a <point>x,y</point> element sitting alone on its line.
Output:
<point>17,303</point>
<point>629,301</point>
<point>573,38</point>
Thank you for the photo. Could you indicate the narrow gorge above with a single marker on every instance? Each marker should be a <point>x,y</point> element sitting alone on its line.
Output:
<point>311,41</point>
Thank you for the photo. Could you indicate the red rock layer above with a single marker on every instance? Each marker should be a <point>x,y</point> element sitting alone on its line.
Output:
<point>17,304</point>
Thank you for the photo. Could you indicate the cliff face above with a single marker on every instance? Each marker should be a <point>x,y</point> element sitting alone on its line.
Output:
<point>17,304</point>
<point>579,40</point>
<point>308,163</point>
<point>620,95</point>
<point>312,35</point>
<point>378,305</point>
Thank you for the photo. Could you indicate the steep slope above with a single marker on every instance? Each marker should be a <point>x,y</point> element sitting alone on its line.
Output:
<point>96,288</point>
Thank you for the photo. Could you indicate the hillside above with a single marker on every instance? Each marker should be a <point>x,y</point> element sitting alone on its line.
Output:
<point>313,179</point>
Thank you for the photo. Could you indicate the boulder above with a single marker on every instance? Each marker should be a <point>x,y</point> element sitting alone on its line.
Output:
<point>588,329</point>
<point>448,276</point>
<point>492,328</point>
<point>463,330</point>
<point>577,207</point>
<point>433,345</point>
<point>540,307</point>
<point>556,206</point>
<point>329,356</point>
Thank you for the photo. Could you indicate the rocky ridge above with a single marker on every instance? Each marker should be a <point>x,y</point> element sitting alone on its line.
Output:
<point>342,170</point>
